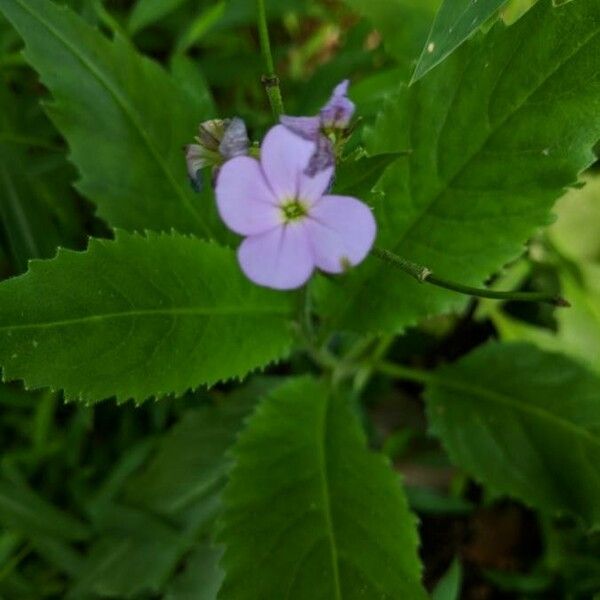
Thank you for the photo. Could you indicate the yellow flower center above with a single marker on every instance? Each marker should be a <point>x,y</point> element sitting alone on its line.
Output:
<point>293,210</point>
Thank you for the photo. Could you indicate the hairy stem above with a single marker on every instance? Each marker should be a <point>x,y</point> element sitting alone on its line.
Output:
<point>425,275</point>
<point>270,79</point>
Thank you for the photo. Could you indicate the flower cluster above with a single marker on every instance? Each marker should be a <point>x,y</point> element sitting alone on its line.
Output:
<point>281,205</point>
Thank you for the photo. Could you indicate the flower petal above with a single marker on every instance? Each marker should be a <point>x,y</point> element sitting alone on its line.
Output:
<point>315,179</point>
<point>339,110</point>
<point>197,157</point>
<point>245,201</point>
<point>306,127</point>
<point>235,140</point>
<point>284,156</point>
<point>322,159</point>
<point>279,259</point>
<point>341,232</point>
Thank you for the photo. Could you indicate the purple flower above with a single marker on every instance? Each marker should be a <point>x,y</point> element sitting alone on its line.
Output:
<point>291,225</point>
<point>334,117</point>
<point>336,114</point>
<point>218,141</point>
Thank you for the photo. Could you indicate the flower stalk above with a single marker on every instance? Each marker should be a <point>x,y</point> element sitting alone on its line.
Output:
<point>270,80</point>
<point>425,275</point>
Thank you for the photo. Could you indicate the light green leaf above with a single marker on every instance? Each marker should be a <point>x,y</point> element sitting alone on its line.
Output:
<point>525,423</point>
<point>138,317</point>
<point>575,233</point>
<point>123,116</point>
<point>454,23</point>
<point>496,132</point>
<point>307,502</point>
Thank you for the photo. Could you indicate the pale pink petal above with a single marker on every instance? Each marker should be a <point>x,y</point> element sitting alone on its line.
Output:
<point>284,156</point>
<point>279,259</point>
<point>341,232</point>
<point>245,201</point>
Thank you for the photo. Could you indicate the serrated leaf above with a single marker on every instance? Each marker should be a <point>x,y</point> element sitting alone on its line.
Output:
<point>123,116</point>
<point>455,22</point>
<point>525,423</point>
<point>138,317</point>
<point>496,133</point>
<point>307,502</point>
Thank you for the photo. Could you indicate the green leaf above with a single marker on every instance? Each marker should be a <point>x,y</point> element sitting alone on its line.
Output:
<point>138,317</point>
<point>525,423</point>
<point>575,236</point>
<point>448,587</point>
<point>403,24</point>
<point>134,555</point>
<point>496,133</point>
<point>201,577</point>
<point>190,460</point>
<point>358,177</point>
<point>29,225</point>
<point>22,510</point>
<point>454,23</point>
<point>147,12</point>
<point>123,116</point>
<point>306,502</point>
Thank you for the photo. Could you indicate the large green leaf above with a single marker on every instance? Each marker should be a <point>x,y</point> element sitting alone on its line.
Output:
<point>454,23</point>
<point>309,511</point>
<point>524,422</point>
<point>496,133</point>
<point>138,317</point>
<point>123,116</point>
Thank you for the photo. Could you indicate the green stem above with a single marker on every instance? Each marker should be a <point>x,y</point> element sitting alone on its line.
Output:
<point>402,372</point>
<point>425,275</point>
<point>270,79</point>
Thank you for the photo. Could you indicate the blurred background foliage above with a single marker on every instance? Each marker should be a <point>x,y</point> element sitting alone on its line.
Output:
<point>119,501</point>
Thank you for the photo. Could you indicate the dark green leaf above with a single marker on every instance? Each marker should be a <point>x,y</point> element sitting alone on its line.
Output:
<point>22,510</point>
<point>201,577</point>
<point>138,317</point>
<point>190,460</point>
<point>310,512</point>
<point>496,133</point>
<point>524,422</point>
<point>358,177</point>
<point>123,116</point>
<point>134,555</point>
